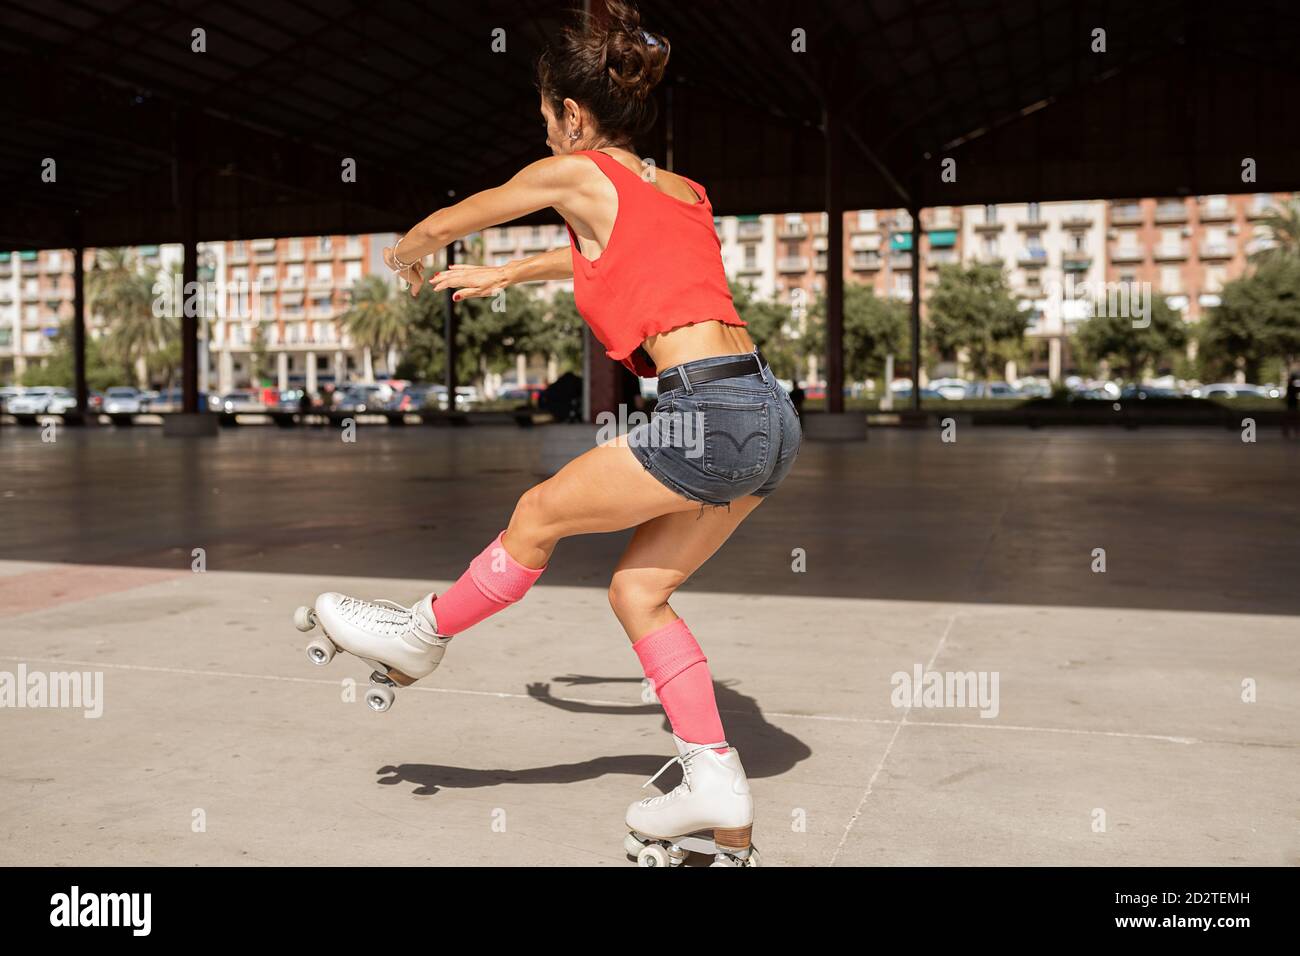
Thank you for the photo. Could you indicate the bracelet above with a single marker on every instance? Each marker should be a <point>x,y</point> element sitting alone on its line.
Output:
<point>401,266</point>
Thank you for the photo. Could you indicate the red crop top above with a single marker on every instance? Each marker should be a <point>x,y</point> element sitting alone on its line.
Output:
<point>661,269</point>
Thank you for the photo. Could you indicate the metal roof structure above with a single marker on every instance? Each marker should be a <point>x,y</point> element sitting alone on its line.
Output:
<point>249,136</point>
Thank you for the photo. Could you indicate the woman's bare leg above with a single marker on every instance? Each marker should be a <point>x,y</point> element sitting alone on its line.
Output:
<point>605,489</point>
<point>663,553</point>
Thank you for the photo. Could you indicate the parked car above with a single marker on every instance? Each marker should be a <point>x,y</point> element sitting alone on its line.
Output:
<point>991,390</point>
<point>170,400</point>
<point>466,397</point>
<point>361,398</point>
<point>950,388</point>
<point>121,400</point>
<point>43,400</point>
<point>1143,392</point>
<point>902,392</point>
<point>7,393</point>
<point>410,399</point>
<point>528,394</point>
<point>240,401</point>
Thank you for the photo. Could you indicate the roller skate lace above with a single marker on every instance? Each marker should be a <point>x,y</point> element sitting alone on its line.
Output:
<point>381,617</point>
<point>685,785</point>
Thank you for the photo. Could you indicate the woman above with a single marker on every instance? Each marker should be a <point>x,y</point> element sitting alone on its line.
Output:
<point>648,278</point>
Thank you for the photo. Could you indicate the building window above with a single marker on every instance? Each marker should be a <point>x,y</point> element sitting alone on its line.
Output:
<point>1035,212</point>
<point>1171,279</point>
<point>991,214</point>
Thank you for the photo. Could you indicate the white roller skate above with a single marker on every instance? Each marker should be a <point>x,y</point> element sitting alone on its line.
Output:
<point>402,644</point>
<point>710,811</point>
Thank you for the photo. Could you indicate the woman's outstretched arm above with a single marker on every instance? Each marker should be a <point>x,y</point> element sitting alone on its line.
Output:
<point>538,185</point>
<point>472,281</point>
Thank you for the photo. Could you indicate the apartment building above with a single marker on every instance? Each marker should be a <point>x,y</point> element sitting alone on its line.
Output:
<point>35,296</point>
<point>1186,247</point>
<point>1053,255</point>
<point>878,253</point>
<point>290,292</point>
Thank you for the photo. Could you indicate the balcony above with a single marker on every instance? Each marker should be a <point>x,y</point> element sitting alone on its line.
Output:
<point>1126,215</point>
<point>264,256</point>
<point>941,257</point>
<point>318,284</point>
<point>792,264</point>
<point>317,253</point>
<point>1215,212</point>
<point>6,270</point>
<point>819,262</point>
<point>749,229</point>
<point>1165,253</point>
<point>263,245</point>
<point>1171,212</point>
<point>1032,258</point>
<point>1261,208</point>
<point>353,250</point>
<point>1077,220</point>
<point>792,230</point>
<point>293,252</point>
<point>750,269</point>
<point>238,254</point>
<point>990,259</point>
<point>865,242</point>
<point>267,283</point>
<point>994,226</point>
<point>1076,261</point>
<point>55,266</point>
<point>1216,250</point>
<point>1121,254</point>
<point>1031,224</point>
<point>500,240</point>
<point>900,260</point>
<point>293,282</point>
<point>866,261</point>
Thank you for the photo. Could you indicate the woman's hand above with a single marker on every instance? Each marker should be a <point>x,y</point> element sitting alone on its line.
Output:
<point>413,275</point>
<point>473,281</point>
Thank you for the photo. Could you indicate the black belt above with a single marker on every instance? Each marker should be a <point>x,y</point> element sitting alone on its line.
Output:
<point>751,364</point>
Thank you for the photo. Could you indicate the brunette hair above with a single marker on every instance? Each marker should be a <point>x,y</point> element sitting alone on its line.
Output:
<point>610,67</point>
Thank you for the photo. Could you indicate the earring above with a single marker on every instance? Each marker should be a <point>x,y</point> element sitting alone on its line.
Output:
<point>573,136</point>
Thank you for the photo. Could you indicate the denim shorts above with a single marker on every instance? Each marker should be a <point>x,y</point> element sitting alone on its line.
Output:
<point>720,440</point>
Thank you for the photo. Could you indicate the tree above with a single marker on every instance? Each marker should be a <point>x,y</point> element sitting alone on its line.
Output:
<point>120,289</point>
<point>375,319</point>
<point>1283,224</point>
<point>1110,336</point>
<point>874,328</point>
<point>972,308</point>
<point>775,328</point>
<point>1257,319</point>
<point>556,328</point>
<point>59,369</point>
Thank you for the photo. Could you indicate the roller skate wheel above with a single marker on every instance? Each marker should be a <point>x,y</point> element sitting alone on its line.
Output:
<point>652,854</point>
<point>304,619</point>
<point>379,699</point>
<point>321,651</point>
<point>631,845</point>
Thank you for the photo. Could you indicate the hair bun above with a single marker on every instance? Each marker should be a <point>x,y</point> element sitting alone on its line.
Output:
<point>636,58</point>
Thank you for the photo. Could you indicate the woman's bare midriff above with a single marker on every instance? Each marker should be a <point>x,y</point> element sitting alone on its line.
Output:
<point>701,340</point>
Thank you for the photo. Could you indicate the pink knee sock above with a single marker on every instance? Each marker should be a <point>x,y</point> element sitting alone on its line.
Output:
<point>492,581</point>
<point>672,659</point>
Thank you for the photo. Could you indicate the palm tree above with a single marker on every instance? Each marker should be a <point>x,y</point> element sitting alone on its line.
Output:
<point>1283,224</point>
<point>375,320</point>
<point>120,290</point>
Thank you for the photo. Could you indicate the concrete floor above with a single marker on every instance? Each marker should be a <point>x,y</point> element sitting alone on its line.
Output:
<point>1121,736</point>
